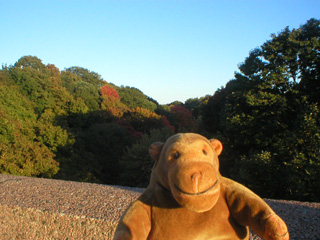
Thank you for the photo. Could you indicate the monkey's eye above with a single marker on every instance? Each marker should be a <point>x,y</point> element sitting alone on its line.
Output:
<point>176,155</point>
<point>204,152</point>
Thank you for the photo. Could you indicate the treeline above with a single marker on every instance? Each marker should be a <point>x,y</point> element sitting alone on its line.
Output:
<point>74,125</point>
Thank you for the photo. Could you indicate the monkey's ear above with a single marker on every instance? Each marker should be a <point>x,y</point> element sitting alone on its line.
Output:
<point>217,146</point>
<point>155,150</point>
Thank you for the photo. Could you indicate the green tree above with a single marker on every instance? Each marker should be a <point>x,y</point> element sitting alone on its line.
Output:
<point>106,143</point>
<point>143,120</point>
<point>264,108</point>
<point>33,84</point>
<point>133,98</point>
<point>21,151</point>
<point>87,76</point>
<point>165,110</point>
<point>30,61</point>
<point>84,86</point>
<point>136,164</point>
<point>42,85</point>
<point>195,105</point>
<point>303,154</point>
<point>88,93</point>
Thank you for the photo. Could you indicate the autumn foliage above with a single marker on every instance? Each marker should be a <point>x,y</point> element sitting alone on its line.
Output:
<point>111,101</point>
<point>109,93</point>
<point>73,125</point>
<point>183,118</point>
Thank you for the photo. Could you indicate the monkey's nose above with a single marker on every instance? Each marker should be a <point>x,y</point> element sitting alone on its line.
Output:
<point>195,179</point>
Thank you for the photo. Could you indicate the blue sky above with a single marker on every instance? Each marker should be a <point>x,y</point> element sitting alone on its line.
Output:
<point>170,50</point>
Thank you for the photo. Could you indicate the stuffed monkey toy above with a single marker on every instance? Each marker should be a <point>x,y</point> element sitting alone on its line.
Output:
<point>188,199</point>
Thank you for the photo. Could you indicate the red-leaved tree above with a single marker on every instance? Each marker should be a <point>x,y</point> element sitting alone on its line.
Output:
<point>111,101</point>
<point>183,119</point>
<point>109,93</point>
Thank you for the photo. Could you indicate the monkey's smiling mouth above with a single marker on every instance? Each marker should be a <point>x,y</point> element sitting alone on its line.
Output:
<point>198,193</point>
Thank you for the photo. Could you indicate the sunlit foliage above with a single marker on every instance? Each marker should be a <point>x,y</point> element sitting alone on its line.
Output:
<point>268,116</point>
<point>74,125</point>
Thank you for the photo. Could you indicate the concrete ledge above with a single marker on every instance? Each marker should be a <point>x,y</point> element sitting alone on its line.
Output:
<point>26,223</point>
<point>35,208</point>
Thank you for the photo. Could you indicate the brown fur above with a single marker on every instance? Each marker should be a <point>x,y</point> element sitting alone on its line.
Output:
<point>188,199</point>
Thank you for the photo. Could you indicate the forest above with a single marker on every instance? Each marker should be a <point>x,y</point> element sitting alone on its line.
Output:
<point>71,124</point>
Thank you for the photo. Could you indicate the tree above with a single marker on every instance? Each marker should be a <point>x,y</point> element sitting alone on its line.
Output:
<point>297,54</point>
<point>303,154</point>
<point>42,84</point>
<point>143,120</point>
<point>109,93</point>
<point>136,164</point>
<point>87,76</point>
<point>165,111</point>
<point>88,93</point>
<point>33,84</point>
<point>262,113</point>
<point>21,151</point>
<point>133,98</point>
<point>84,84</point>
<point>310,60</point>
<point>111,101</point>
<point>195,105</point>
<point>183,119</point>
<point>106,143</point>
<point>30,61</point>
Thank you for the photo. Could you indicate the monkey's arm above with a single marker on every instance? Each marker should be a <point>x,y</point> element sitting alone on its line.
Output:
<point>135,223</point>
<point>248,209</point>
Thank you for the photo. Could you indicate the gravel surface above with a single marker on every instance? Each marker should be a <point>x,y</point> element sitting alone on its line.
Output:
<point>36,208</point>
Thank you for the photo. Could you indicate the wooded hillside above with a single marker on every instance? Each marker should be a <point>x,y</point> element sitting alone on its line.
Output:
<point>72,124</point>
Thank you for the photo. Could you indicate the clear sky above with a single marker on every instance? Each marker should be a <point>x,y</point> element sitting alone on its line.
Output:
<point>170,50</point>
